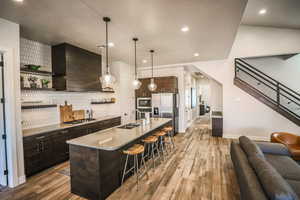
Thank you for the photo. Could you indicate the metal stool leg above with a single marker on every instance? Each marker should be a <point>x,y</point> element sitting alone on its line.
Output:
<point>144,163</point>
<point>152,156</point>
<point>171,140</point>
<point>162,148</point>
<point>124,171</point>
<point>136,169</point>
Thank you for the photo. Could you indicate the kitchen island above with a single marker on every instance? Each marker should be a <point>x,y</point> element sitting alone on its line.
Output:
<point>96,160</point>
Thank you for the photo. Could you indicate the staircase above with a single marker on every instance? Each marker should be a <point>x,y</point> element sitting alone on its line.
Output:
<point>267,90</point>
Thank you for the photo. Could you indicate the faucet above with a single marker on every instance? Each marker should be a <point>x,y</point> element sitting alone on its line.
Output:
<point>139,114</point>
<point>90,114</point>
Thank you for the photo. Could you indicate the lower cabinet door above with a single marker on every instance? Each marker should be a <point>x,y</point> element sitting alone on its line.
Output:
<point>48,158</point>
<point>31,157</point>
<point>60,146</point>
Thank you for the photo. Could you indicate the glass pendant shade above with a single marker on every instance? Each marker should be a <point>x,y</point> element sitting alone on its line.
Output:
<point>107,80</point>
<point>136,84</point>
<point>152,86</point>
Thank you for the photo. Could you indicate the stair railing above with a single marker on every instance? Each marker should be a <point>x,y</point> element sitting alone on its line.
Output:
<point>285,98</point>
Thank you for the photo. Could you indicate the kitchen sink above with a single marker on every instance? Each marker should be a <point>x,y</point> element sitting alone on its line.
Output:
<point>129,126</point>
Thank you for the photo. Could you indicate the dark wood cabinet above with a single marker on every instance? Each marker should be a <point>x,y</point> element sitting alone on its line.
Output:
<point>75,69</point>
<point>217,124</point>
<point>60,149</point>
<point>45,150</point>
<point>37,153</point>
<point>167,84</point>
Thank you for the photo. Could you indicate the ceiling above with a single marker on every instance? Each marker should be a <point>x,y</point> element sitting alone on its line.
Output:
<point>157,23</point>
<point>280,13</point>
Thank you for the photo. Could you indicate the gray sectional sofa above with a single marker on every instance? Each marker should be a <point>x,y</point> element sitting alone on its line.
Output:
<point>265,170</point>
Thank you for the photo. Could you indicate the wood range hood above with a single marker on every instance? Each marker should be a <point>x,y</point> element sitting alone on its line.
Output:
<point>75,69</point>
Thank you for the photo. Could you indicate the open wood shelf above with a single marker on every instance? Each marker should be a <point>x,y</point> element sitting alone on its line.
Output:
<point>107,91</point>
<point>102,102</point>
<point>38,106</point>
<point>39,89</point>
<point>35,72</point>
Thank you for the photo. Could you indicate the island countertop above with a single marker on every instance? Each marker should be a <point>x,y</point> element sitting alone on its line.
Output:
<point>114,138</point>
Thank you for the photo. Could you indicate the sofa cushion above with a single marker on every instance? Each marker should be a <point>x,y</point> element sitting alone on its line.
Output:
<point>295,185</point>
<point>285,166</point>
<point>273,148</point>
<point>274,185</point>
<point>249,147</point>
<point>250,187</point>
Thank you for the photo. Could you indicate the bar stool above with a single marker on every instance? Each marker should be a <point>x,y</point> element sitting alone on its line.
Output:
<point>134,151</point>
<point>170,133</point>
<point>150,143</point>
<point>161,135</point>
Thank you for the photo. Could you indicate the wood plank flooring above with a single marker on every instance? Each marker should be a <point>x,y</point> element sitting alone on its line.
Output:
<point>200,168</point>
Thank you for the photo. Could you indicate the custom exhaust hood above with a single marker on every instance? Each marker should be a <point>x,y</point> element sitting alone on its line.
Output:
<point>75,69</point>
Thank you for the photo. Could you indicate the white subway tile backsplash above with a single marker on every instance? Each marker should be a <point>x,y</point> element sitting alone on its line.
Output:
<point>46,116</point>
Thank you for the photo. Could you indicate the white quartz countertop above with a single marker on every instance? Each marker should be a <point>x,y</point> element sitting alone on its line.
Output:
<point>61,126</point>
<point>114,138</point>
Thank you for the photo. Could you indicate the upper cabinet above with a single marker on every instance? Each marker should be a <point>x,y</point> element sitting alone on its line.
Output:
<point>75,69</point>
<point>167,84</point>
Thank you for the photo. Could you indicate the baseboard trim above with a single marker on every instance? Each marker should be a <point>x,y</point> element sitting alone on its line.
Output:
<point>258,138</point>
<point>22,179</point>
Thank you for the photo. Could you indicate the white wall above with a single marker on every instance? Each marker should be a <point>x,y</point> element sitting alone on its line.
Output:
<point>177,71</point>
<point>125,92</point>
<point>216,95</point>
<point>10,45</point>
<point>243,114</point>
<point>204,90</point>
<point>280,69</point>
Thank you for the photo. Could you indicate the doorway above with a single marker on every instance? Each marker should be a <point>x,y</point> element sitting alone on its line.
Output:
<point>3,147</point>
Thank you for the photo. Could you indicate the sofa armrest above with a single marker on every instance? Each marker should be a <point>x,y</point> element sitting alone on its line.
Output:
<point>274,148</point>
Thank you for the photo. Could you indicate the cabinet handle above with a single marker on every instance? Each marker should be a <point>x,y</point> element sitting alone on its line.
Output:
<point>38,147</point>
<point>65,131</point>
<point>39,138</point>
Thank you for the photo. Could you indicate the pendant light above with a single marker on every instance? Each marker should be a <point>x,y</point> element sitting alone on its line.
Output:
<point>107,80</point>
<point>136,83</point>
<point>152,86</point>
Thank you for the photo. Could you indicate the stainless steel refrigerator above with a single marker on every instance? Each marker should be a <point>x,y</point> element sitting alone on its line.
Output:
<point>165,105</point>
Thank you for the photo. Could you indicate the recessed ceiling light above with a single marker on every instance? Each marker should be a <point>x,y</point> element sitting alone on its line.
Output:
<point>185,29</point>
<point>144,61</point>
<point>262,11</point>
<point>111,44</point>
<point>196,54</point>
<point>18,0</point>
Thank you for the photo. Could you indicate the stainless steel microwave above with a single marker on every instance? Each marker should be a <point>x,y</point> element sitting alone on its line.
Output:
<point>143,102</point>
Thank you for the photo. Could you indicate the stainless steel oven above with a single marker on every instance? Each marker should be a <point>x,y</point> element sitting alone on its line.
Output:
<point>143,103</point>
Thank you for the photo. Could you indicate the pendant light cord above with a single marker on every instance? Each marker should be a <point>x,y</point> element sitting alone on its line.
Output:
<point>135,40</point>
<point>106,26</point>
<point>152,51</point>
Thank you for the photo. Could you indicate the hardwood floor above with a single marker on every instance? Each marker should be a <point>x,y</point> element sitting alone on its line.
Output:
<point>200,168</point>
